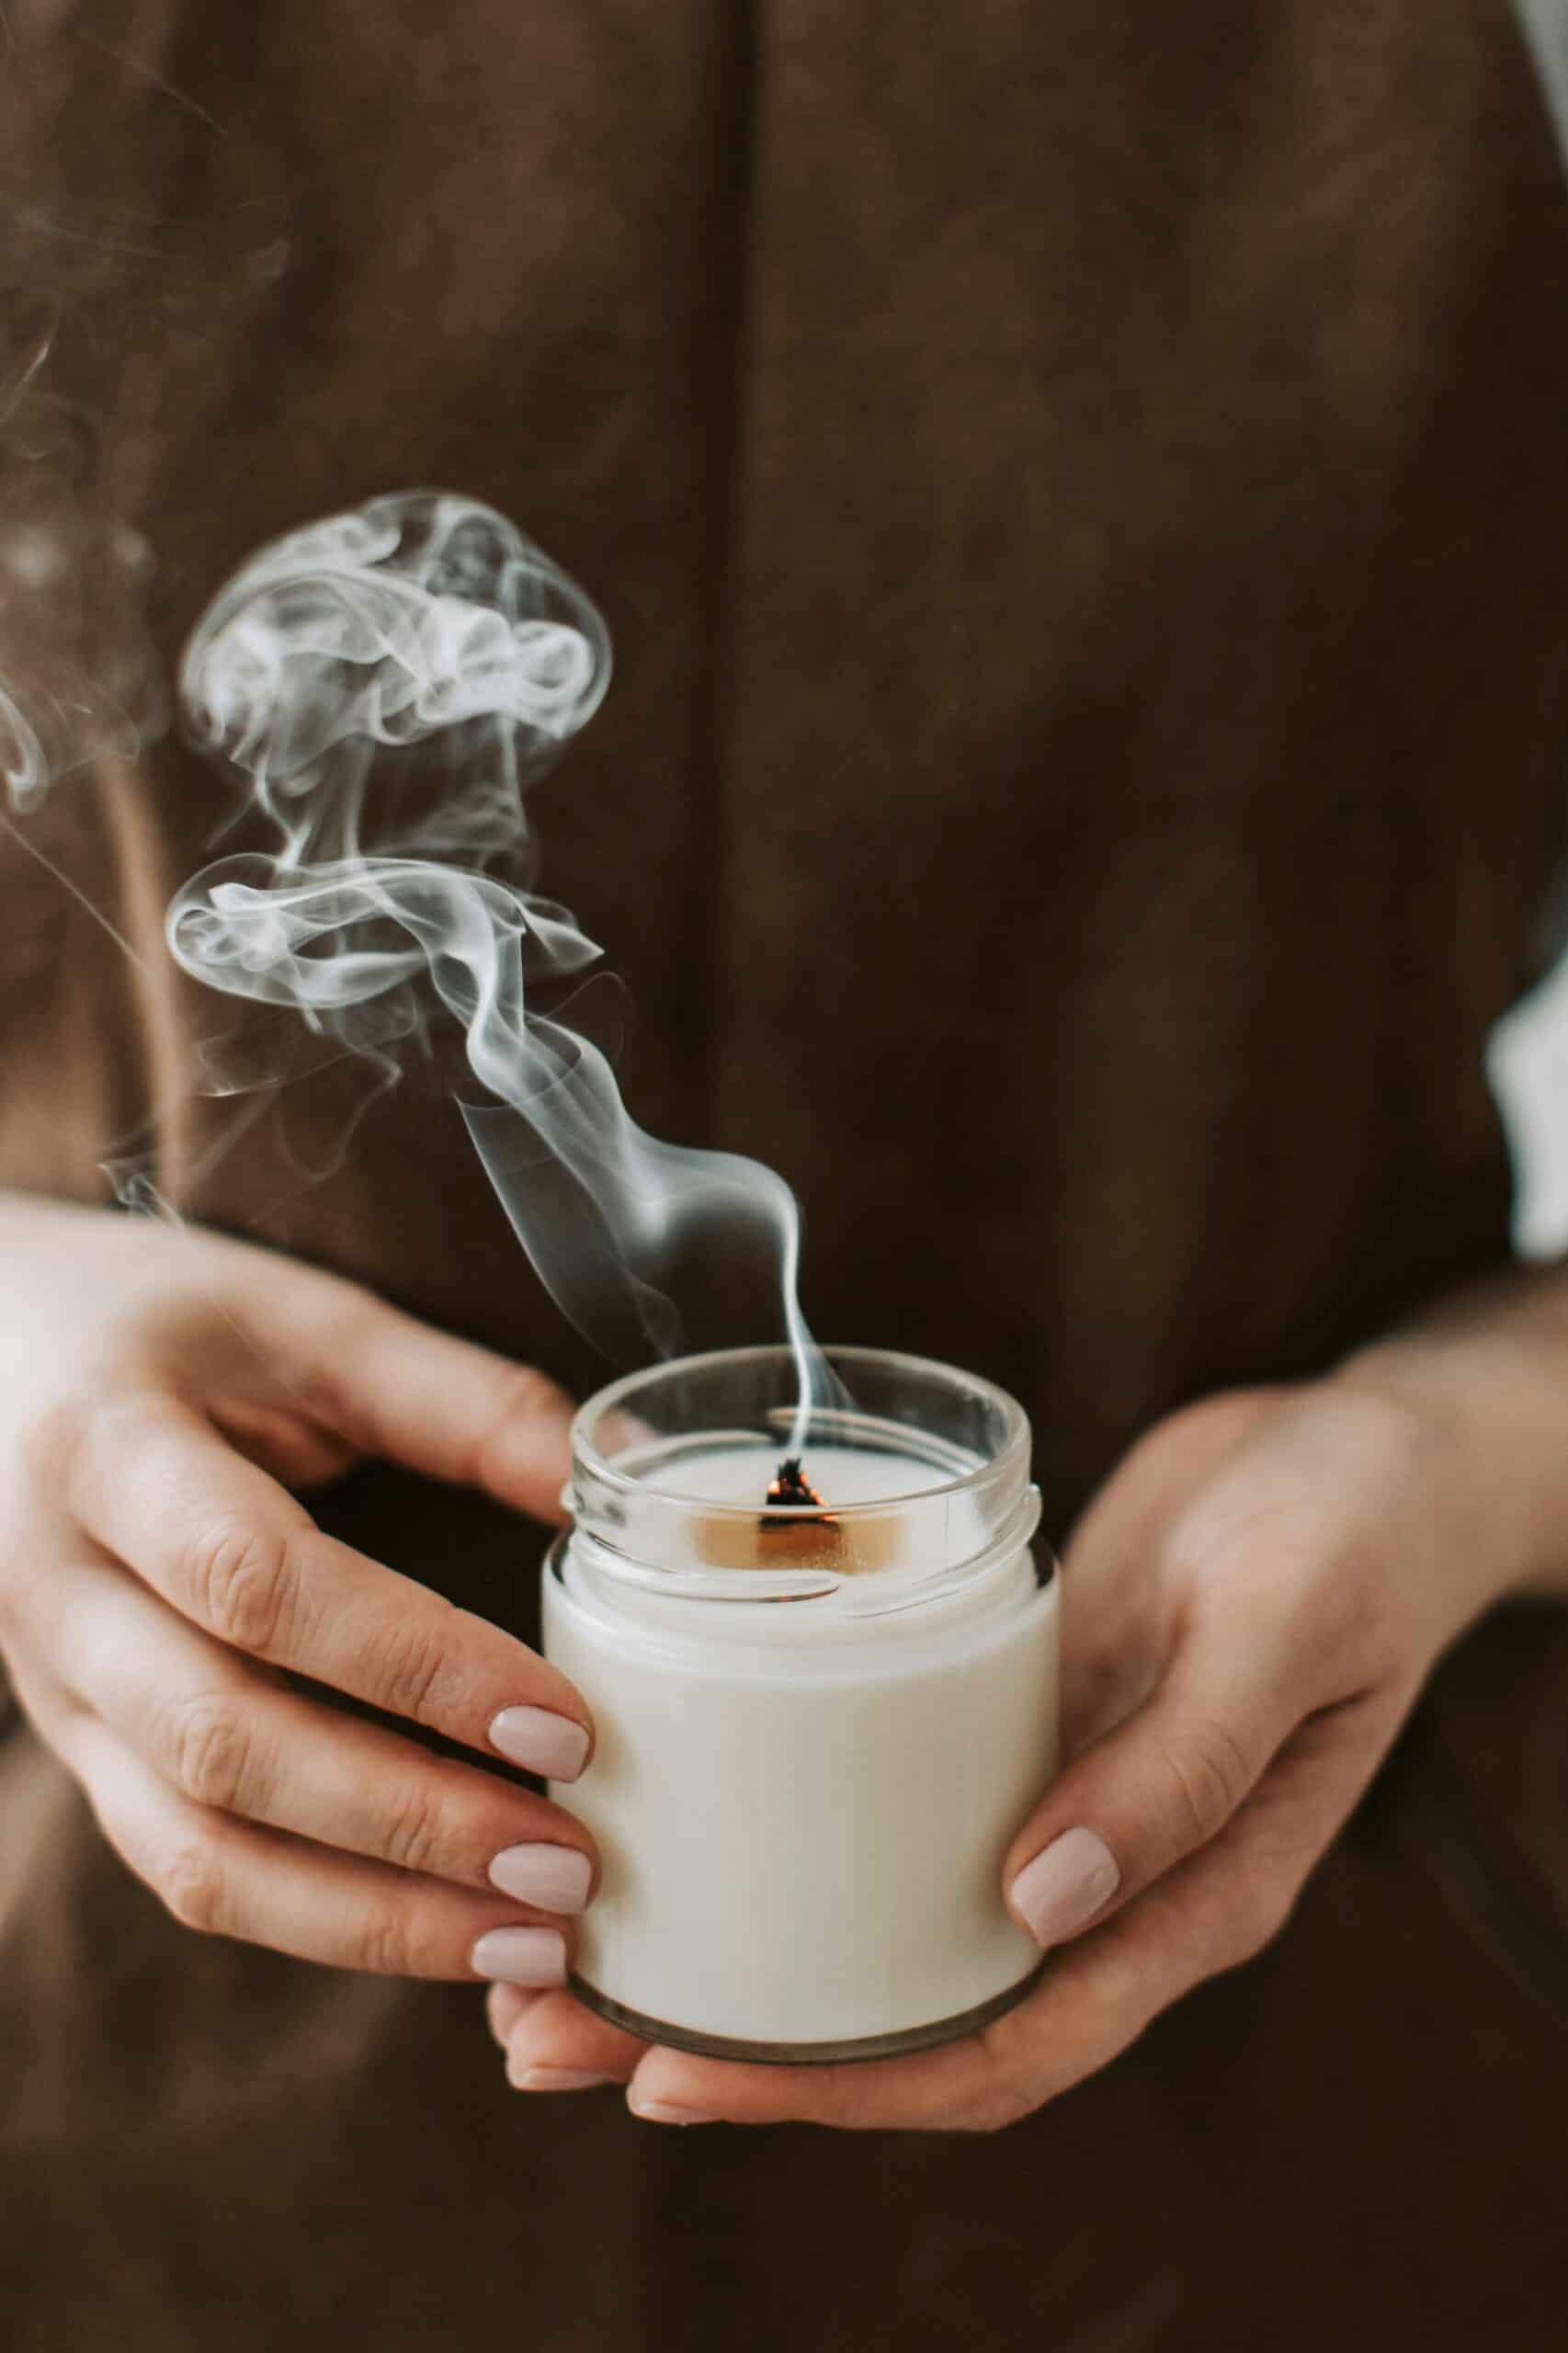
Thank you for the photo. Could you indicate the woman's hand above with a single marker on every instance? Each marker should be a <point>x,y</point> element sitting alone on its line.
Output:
<point>1252,1605</point>
<point>160,1395</point>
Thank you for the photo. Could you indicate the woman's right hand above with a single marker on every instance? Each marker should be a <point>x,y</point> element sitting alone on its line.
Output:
<point>160,1393</point>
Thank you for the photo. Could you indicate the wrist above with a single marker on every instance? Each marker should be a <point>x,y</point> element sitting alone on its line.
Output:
<point>1487,1372</point>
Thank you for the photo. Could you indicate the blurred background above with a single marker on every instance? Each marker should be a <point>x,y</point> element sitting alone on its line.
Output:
<point>1528,1063</point>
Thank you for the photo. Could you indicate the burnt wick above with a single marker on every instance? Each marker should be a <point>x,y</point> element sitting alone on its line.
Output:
<point>792,1491</point>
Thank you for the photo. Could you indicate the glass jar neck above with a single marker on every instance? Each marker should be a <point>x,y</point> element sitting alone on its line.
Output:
<point>682,1483</point>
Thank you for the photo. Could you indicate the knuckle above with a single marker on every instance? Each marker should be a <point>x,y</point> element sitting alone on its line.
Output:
<point>48,1441</point>
<point>1367,1634</point>
<point>83,1433</point>
<point>1209,1775</point>
<point>244,1581</point>
<point>74,1442</point>
<point>413,1834</point>
<point>405,1666</point>
<point>214,1754</point>
<point>386,1944</point>
<point>192,1883</point>
<point>1212,1549</point>
<point>320,1328</point>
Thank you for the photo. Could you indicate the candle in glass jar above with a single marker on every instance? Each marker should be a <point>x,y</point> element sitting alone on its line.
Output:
<point>819,1726</point>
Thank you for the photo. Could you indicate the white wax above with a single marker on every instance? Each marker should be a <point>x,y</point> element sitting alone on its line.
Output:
<point>841,1474</point>
<point>803,1808</point>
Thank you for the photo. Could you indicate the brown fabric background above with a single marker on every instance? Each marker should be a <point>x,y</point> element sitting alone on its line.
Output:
<point>1081,495</point>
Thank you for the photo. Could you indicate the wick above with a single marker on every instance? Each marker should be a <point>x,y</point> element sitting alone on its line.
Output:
<point>792,1491</point>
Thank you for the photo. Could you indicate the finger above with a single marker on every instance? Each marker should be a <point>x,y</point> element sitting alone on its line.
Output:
<point>504,2006</point>
<point>232,1739</point>
<point>392,1386</point>
<point>948,2088</point>
<point>1162,1784</point>
<point>1098,1994</point>
<point>235,1552</point>
<point>297,1452</point>
<point>980,2084</point>
<point>228,1877</point>
<point>558,2044</point>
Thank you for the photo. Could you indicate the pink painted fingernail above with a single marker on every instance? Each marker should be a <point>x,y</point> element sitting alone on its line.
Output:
<point>660,2111</point>
<point>542,1742</point>
<point>1066,1884</point>
<point>555,1878</point>
<point>556,2079</point>
<point>522,1956</point>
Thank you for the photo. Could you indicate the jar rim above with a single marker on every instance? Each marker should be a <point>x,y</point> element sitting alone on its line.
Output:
<point>1014,1449</point>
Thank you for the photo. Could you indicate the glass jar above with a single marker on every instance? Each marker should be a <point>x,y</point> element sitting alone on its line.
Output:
<point>819,1724</point>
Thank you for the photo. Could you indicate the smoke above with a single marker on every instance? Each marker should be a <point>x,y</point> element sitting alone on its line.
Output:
<point>385,685</point>
<point>22,762</point>
<point>82,682</point>
<point>389,682</point>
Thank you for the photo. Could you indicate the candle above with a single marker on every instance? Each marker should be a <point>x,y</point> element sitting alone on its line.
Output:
<point>821,1718</point>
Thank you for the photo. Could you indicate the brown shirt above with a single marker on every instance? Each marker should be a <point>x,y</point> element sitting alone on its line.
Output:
<point>1081,496</point>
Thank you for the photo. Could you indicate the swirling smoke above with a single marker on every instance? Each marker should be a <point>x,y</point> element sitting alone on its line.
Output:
<point>338,671</point>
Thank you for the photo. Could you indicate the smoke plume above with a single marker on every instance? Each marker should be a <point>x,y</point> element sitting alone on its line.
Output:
<point>389,682</point>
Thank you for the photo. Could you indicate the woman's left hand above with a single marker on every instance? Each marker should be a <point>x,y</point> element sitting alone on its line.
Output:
<point>1253,1603</point>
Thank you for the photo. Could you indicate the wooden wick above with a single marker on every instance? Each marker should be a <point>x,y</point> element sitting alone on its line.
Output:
<point>795,1529</point>
<point>790,1490</point>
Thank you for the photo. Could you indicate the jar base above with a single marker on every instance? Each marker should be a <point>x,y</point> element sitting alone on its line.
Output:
<point>805,2054</point>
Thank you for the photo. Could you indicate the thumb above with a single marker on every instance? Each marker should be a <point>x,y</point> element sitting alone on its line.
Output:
<point>1160,1786</point>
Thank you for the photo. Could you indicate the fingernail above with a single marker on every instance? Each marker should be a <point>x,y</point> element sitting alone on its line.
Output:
<point>522,1956</point>
<point>556,2079</point>
<point>542,1742</point>
<point>659,2111</point>
<point>555,1878</point>
<point>1066,1884</point>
